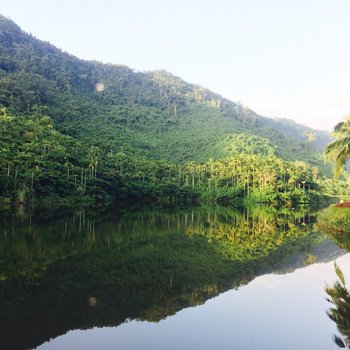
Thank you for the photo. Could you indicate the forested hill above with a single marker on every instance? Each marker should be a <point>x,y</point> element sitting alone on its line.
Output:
<point>152,114</point>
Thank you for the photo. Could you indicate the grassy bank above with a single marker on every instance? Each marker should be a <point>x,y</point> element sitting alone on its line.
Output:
<point>335,220</point>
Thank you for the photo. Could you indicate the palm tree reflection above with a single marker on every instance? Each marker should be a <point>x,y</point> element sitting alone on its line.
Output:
<point>339,297</point>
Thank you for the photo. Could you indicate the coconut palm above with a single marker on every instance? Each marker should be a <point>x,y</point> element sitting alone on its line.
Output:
<point>339,150</point>
<point>340,311</point>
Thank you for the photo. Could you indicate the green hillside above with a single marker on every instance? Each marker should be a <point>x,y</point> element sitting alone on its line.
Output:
<point>154,114</point>
<point>74,127</point>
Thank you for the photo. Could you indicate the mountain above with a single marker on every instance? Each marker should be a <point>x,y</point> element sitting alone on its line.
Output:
<point>299,132</point>
<point>152,114</point>
<point>74,129</point>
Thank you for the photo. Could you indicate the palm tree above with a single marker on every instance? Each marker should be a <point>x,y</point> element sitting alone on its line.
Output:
<point>339,150</point>
<point>310,137</point>
<point>340,312</point>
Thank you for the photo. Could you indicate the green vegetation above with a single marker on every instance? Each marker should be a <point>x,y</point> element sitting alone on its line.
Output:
<point>73,129</point>
<point>87,132</point>
<point>338,151</point>
<point>39,161</point>
<point>340,310</point>
<point>335,219</point>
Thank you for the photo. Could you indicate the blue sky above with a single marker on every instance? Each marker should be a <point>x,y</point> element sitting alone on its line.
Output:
<point>281,58</point>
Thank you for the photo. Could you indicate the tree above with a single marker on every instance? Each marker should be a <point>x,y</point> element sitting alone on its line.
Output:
<point>310,137</point>
<point>339,150</point>
<point>340,312</point>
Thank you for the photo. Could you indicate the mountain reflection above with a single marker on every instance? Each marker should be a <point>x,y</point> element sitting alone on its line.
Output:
<point>77,269</point>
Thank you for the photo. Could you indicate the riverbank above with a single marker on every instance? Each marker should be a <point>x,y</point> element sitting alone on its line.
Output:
<point>335,219</point>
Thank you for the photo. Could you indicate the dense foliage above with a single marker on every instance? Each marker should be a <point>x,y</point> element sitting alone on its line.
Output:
<point>339,297</point>
<point>37,160</point>
<point>153,114</point>
<point>338,150</point>
<point>336,220</point>
<point>72,129</point>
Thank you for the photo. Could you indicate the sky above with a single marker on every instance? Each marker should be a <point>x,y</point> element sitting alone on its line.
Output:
<point>281,58</point>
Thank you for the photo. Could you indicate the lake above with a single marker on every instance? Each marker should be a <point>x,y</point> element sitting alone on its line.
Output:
<point>166,278</point>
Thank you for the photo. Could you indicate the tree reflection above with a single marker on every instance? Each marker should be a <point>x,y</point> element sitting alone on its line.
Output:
<point>339,297</point>
<point>106,267</point>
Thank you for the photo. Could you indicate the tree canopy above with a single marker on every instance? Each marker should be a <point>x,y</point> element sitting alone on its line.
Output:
<point>338,151</point>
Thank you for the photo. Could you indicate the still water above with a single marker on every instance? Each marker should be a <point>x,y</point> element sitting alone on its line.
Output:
<point>160,278</point>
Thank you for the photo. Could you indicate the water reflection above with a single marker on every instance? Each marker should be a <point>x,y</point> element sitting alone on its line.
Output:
<point>78,269</point>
